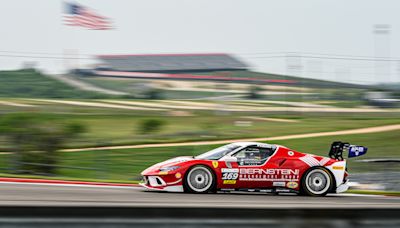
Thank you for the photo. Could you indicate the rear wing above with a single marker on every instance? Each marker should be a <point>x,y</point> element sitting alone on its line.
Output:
<point>337,149</point>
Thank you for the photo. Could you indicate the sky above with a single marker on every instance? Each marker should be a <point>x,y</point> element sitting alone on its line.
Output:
<point>271,36</point>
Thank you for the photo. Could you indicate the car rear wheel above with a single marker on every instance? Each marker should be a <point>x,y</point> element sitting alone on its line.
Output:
<point>199,179</point>
<point>316,182</point>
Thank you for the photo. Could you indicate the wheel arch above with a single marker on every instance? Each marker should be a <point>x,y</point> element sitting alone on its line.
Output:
<point>332,178</point>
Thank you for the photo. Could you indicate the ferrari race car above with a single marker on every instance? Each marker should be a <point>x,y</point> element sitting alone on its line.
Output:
<point>251,166</point>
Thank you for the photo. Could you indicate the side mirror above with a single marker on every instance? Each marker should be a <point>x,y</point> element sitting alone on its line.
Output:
<point>229,159</point>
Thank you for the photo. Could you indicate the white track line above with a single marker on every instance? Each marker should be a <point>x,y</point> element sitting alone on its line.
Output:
<point>9,103</point>
<point>98,104</point>
<point>270,119</point>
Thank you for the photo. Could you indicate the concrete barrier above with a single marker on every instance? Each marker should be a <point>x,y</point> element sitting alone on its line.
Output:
<point>195,217</point>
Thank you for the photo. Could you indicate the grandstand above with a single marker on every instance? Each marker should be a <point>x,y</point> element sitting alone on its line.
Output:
<point>218,67</point>
<point>206,67</point>
<point>171,63</point>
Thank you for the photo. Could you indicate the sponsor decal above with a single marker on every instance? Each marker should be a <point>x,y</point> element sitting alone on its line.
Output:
<point>355,151</point>
<point>278,184</point>
<point>229,182</point>
<point>255,174</point>
<point>178,175</point>
<point>292,184</point>
<point>250,161</point>
<point>270,171</point>
<point>230,174</point>
<point>264,145</point>
<point>224,170</point>
<point>337,167</point>
<point>163,173</point>
<point>215,164</point>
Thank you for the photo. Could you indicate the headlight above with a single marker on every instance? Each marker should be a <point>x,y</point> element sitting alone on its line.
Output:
<point>169,168</point>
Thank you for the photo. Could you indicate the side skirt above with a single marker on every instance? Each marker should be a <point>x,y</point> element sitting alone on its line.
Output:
<point>267,190</point>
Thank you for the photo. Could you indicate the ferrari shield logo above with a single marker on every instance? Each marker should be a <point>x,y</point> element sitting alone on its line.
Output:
<point>215,164</point>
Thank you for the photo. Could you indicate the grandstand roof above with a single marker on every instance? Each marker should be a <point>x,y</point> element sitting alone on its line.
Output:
<point>171,62</point>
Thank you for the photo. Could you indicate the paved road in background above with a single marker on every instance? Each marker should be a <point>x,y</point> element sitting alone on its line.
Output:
<point>79,84</point>
<point>23,194</point>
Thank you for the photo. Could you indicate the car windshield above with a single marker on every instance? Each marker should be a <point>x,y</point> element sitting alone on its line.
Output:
<point>218,153</point>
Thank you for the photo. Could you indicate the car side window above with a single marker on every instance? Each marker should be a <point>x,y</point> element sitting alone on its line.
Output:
<point>253,155</point>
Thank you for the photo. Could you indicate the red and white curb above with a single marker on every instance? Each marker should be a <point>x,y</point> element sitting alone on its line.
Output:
<point>12,180</point>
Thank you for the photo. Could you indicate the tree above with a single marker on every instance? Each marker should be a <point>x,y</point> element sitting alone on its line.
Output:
<point>153,93</point>
<point>148,126</point>
<point>35,141</point>
<point>254,92</point>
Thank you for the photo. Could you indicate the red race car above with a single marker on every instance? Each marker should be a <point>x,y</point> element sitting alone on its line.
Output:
<point>251,166</point>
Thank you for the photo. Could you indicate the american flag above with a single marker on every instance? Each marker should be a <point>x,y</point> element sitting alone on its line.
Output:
<point>78,15</point>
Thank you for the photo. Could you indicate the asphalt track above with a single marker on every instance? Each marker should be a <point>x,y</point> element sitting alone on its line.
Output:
<point>27,194</point>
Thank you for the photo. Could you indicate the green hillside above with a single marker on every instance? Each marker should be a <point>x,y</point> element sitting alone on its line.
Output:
<point>32,84</point>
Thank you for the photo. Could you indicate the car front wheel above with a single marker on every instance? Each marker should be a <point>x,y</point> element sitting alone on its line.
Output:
<point>199,179</point>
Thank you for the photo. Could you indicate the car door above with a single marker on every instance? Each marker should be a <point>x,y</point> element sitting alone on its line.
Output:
<point>253,168</point>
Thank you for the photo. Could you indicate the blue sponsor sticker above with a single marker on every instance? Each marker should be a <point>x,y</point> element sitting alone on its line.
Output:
<point>355,151</point>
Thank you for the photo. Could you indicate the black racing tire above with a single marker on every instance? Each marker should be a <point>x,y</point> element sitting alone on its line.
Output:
<point>199,179</point>
<point>317,181</point>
